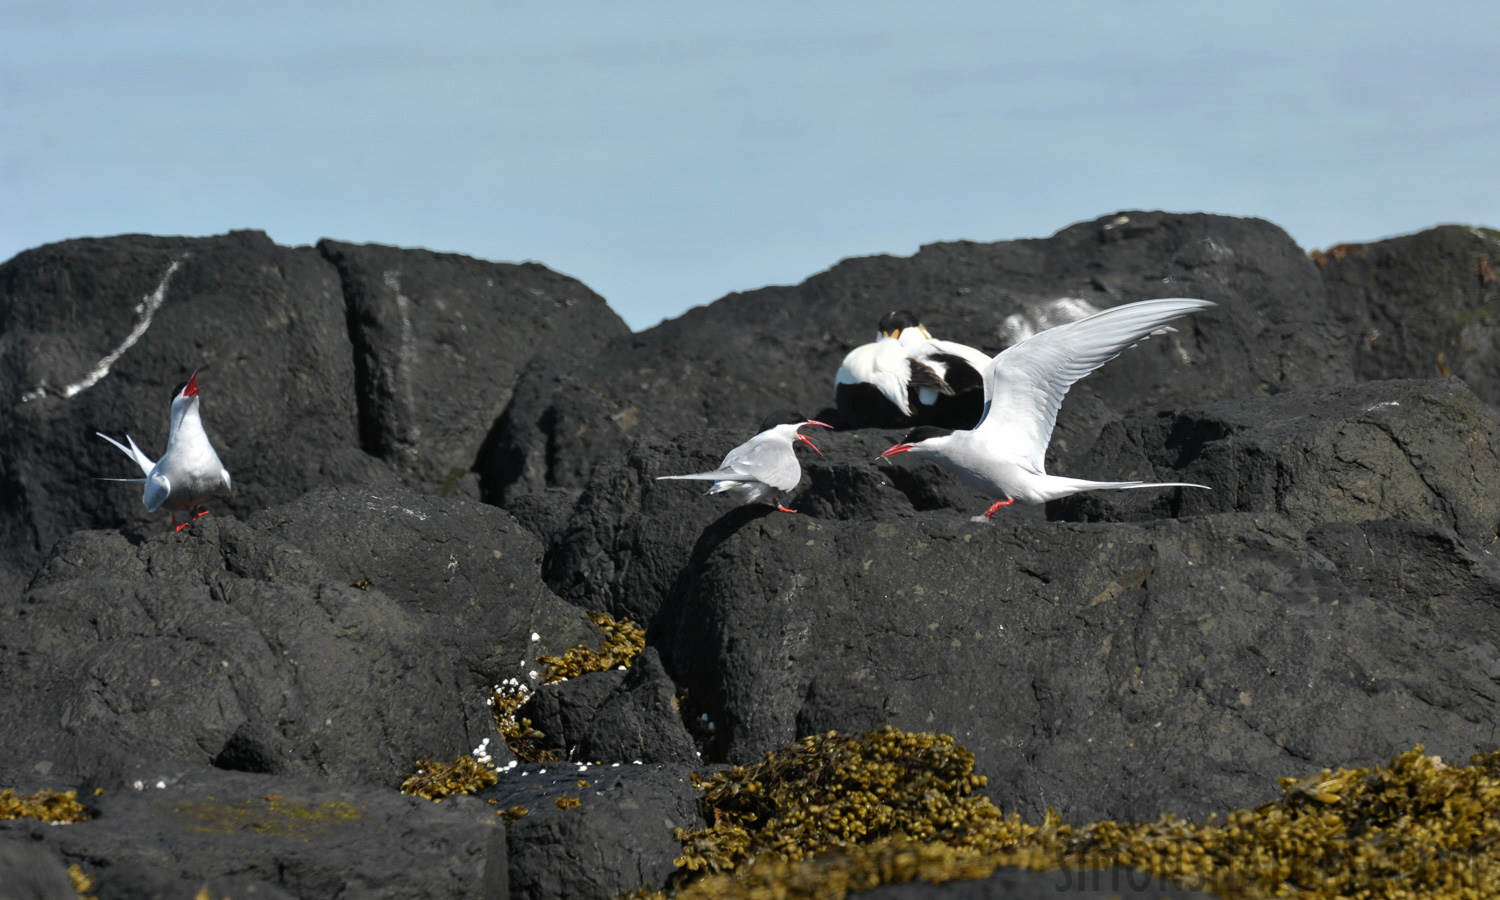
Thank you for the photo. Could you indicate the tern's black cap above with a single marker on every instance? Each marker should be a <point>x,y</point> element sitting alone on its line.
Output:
<point>782,417</point>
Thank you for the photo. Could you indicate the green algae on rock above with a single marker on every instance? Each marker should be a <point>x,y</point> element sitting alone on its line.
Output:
<point>1415,829</point>
<point>272,814</point>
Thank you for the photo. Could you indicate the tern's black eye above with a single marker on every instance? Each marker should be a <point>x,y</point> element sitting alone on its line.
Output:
<point>177,391</point>
<point>923,432</point>
<point>782,417</point>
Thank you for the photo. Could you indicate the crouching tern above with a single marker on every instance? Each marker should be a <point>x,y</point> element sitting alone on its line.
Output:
<point>764,466</point>
<point>189,471</point>
<point>1003,457</point>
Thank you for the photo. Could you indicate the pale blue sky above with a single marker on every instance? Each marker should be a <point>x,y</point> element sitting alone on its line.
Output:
<point>667,153</point>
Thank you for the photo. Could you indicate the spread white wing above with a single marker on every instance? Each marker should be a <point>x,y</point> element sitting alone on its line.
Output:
<point>1025,384</point>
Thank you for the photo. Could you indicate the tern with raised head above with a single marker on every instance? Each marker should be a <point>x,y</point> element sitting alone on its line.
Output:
<point>906,377</point>
<point>1003,457</point>
<point>764,466</point>
<point>189,472</point>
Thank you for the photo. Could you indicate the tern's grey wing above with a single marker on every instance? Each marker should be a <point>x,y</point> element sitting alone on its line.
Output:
<point>157,489</point>
<point>1025,384</point>
<point>768,458</point>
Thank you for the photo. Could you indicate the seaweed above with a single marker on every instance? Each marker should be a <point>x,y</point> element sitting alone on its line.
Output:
<point>832,815</point>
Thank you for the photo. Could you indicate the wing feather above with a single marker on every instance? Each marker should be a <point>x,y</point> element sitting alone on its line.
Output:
<point>768,458</point>
<point>134,452</point>
<point>1025,384</point>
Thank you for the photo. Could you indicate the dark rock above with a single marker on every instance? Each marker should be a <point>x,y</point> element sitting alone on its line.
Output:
<point>1418,451</point>
<point>30,870</point>
<point>314,364</point>
<point>629,535</point>
<point>1023,884</point>
<point>439,341</point>
<point>266,324</point>
<point>618,838</point>
<point>780,347</point>
<point>1421,305</point>
<point>1104,670</point>
<point>564,710</point>
<point>545,513</point>
<point>640,720</point>
<point>344,635</point>
<point>275,837</point>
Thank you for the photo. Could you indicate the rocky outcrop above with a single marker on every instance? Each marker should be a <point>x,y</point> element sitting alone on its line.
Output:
<point>439,341</point>
<point>344,364</point>
<point>1422,305</point>
<point>279,666</point>
<point>170,829</point>
<point>342,636</point>
<point>725,365</point>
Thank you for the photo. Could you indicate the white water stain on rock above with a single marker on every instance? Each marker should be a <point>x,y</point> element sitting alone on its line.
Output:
<point>405,357</point>
<point>146,310</point>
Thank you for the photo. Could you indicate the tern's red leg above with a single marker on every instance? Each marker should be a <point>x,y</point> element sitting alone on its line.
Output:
<point>201,513</point>
<point>998,505</point>
<point>183,525</point>
<point>784,509</point>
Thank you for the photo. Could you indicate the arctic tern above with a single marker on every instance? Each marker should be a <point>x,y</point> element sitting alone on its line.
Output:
<point>764,466</point>
<point>1003,457</point>
<point>189,471</point>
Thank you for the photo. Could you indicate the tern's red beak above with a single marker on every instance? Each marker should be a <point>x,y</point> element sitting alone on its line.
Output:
<point>808,441</point>
<point>804,439</point>
<point>192,386</point>
<point>899,448</point>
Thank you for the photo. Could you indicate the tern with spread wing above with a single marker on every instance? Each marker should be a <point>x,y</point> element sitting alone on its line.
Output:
<point>1003,456</point>
<point>764,466</point>
<point>906,377</point>
<point>189,471</point>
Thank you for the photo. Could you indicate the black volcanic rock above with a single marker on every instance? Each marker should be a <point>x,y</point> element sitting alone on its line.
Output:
<point>168,829</point>
<point>265,323</point>
<point>629,535</point>
<point>617,837</point>
<point>30,870</point>
<point>562,711</point>
<point>781,346</point>
<point>1417,451</point>
<point>640,719</point>
<point>345,635</point>
<point>355,364</point>
<point>439,341</point>
<point>1104,670</point>
<point>1423,305</point>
